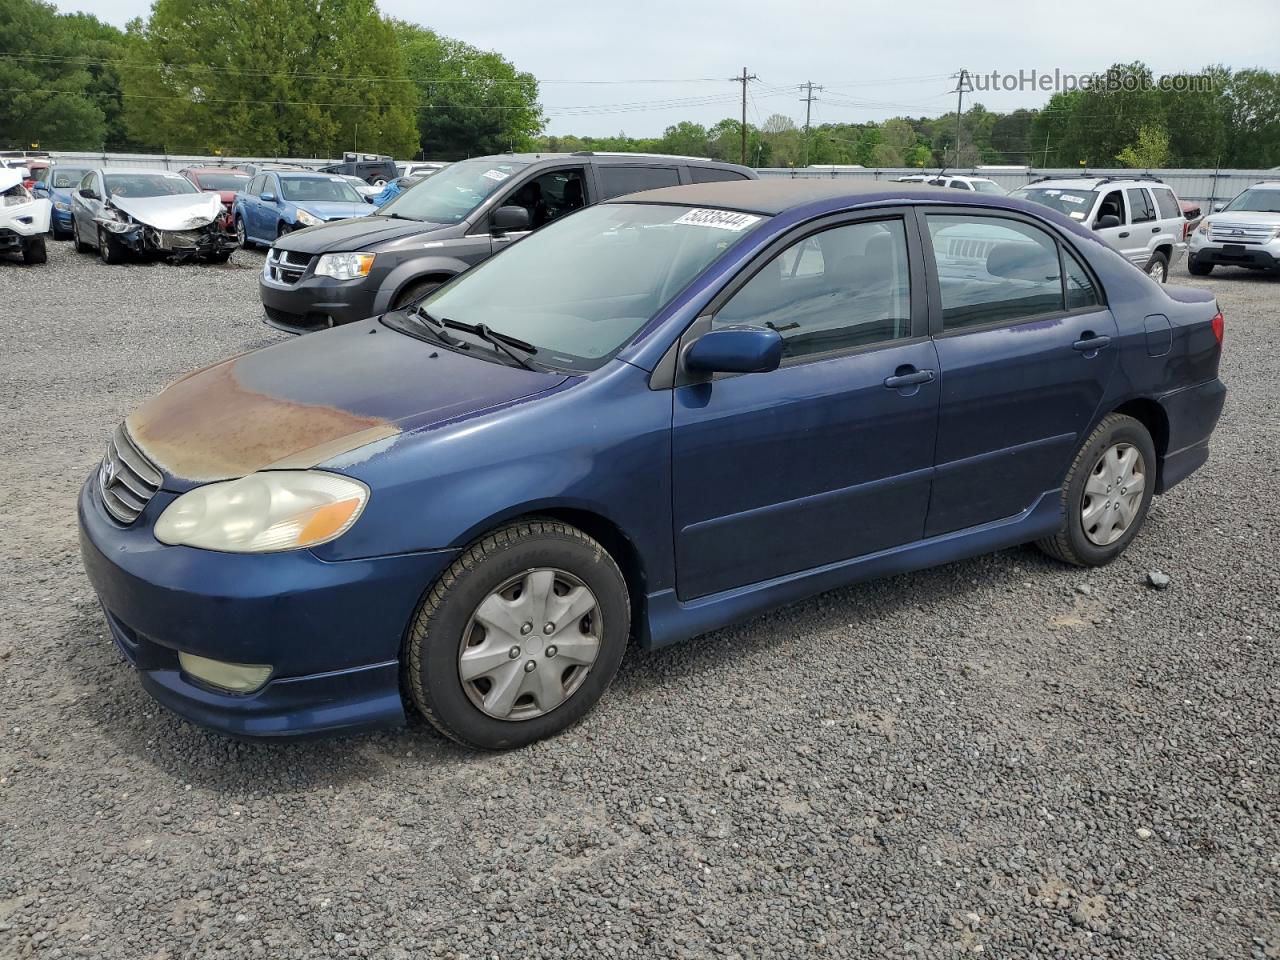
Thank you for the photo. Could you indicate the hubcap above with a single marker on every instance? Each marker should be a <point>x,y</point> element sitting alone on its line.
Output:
<point>240,232</point>
<point>530,644</point>
<point>1156,271</point>
<point>1113,494</point>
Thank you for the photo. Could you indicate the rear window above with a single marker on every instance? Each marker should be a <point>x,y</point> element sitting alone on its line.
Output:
<point>66,177</point>
<point>222,181</point>
<point>713,174</point>
<point>616,181</point>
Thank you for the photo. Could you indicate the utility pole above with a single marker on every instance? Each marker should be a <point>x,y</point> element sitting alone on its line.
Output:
<point>962,78</point>
<point>807,100</point>
<point>744,80</point>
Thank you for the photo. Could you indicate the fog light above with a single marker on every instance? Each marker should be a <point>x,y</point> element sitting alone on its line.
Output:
<point>236,677</point>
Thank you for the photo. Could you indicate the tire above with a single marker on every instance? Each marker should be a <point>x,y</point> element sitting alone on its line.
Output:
<point>1199,269</point>
<point>61,234</point>
<point>242,235</point>
<point>222,256</point>
<point>282,229</point>
<point>447,624</point>
<point>1075,544</point>
<point>108,250</point>
<point>34,251</point>
<point>413,293</point>
<point>1158,267</point>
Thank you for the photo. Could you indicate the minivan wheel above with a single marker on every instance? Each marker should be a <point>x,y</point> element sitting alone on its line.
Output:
<point>1106,494</point>
<point>413,293</point>
<point>520,637</point>
<point>1158,267</point>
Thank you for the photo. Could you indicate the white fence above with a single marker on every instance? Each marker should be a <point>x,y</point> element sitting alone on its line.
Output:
<point>176,161</point>
<point>1201,186</point>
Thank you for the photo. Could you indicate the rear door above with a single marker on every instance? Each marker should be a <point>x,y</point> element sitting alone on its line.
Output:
<point>1144,226</point>
<point>1024,355</point>
<point>251,204</point>
<point>829,456</point>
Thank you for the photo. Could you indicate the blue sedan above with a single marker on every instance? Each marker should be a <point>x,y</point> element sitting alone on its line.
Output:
<point>654,417</point>
<point>278,202</point>
<point>58,186</point>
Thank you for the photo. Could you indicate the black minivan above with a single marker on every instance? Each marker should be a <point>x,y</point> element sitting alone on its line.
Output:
<point>351,269</point>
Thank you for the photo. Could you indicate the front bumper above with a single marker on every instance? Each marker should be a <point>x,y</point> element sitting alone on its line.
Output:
<point>1257,256</point>
<point>331,630</point>
<point>60,220</point>
<point>316,303</point>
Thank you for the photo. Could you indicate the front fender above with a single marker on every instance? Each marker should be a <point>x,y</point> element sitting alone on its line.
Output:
<point>413,270</point>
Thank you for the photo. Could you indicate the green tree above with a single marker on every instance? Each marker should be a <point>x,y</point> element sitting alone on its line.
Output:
<point>286,78</point>
<point>1150,151</point>
<point>56,95</point>
<point>470,101</point>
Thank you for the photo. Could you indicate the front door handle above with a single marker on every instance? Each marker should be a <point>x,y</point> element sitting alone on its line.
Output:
<point>1090,343</point>
<point>1123,235</point>
<point>909,377</point>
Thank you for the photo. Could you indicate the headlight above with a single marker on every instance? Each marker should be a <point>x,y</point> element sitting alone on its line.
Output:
<point>1203,228</point>
<point>61,205</point>
<point>264,512</point>
<point>344,266</point>
<point>308,219</point>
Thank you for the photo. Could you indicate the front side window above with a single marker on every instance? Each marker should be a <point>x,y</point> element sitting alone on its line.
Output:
<point>1140,208</point>
<point>616,181</point>
<point>583,287</point>
<point>87,182</point>
<point>1112,206</point>
<point>257,185</point>
<point>550,196</point>
<point>993,270</point>
<point>845,287</point>
<point>453,193</point>
<point>148,184</point>
<point>332,189</point>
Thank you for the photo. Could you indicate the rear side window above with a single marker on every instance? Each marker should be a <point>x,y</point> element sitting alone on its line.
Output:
<point>993,270</point>
<point>959,185</point>
<point>616,181</point>
<point>1081,292</point>
<point>1168,205</point>
<point>712,174</point>
<point>1140,205</point>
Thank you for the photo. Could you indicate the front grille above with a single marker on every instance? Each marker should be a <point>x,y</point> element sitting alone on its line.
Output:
<point>179,239</point>
<point>126,478</point>
<point>286,266</point>
<point>1240,233</point>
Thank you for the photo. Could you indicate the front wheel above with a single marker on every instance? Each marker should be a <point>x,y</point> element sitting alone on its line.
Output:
<point>1198,269</point>
<point>413,293</point>
<point>520,637</point>
<point>242,237</point>
<point>109,248</point>
<point>1158,267</point>
<point>33,251</point>
<point>1106,494</point>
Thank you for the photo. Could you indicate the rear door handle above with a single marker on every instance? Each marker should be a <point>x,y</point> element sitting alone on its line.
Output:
<point>912,379</point>
<point>1090,344</point>
<point>1155,229</point>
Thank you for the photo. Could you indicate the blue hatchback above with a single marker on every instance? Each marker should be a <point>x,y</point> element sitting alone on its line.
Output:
<point>278,202</point>
<point>656,416</point>
<point>58,187</point>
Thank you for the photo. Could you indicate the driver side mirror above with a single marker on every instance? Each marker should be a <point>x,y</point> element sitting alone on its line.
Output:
<point>1106,222</point>
<point>88,193</point>
<point>741,349</point>
<point>267,197</point>
<point>510,218</point>
<point>1219,207</point>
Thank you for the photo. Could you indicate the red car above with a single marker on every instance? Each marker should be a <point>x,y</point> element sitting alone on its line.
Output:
<point>224,181</point>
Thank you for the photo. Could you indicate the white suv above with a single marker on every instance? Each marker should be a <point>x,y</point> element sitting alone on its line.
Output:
<point>1140,217</point>
<point>978,184</point>
<point>1243,233</point>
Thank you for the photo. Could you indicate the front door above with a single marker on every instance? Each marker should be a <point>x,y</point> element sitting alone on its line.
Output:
<point>1026,349</point>
<point>829,456</point>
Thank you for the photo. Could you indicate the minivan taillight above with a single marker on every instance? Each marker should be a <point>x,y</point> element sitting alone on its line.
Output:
<point>1217,323</point>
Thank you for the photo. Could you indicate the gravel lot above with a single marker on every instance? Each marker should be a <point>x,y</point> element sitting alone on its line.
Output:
<point>1002,757</point>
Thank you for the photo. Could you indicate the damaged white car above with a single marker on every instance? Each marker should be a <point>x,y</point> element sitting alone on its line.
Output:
<point>24,219</point>
<point>118,211</point>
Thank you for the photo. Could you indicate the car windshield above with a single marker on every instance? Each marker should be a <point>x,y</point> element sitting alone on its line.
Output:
<point>1256,201</point>
<point>222,181</point>
<point>333,189</point>
<point>450,195</point>
<point>147,184</point>
<point>581,287</point>
<point>1074,203</point>
<point>65,178</point>
<point>988,186</point>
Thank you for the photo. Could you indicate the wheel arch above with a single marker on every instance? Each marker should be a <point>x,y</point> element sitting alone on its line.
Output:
<point>1152,416</point>
<point>438,276</point>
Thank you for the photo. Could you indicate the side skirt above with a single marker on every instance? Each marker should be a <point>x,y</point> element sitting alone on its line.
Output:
<point>670,620</point>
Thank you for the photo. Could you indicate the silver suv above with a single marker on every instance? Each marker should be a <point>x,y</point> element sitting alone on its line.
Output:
<point>1243,233</point>
<point>1140,217</point>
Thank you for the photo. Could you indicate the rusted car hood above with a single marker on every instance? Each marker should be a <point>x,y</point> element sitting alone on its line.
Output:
<point>184,211</point>
<point>297,404</point>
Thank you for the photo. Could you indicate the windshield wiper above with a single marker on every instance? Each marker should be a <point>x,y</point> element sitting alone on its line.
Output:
<point>499,341</point>
<point>437,327</point>
<point>397,216</point>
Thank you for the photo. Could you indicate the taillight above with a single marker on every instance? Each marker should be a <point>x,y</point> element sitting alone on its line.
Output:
<point>1217,324</point>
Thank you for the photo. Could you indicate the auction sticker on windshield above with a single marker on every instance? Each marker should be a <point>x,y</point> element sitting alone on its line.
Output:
<point>720,219</point>
<point>495,175</point>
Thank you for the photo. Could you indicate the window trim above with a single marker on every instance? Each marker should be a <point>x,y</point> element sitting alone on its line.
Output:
<point>936,329</point>
<point>918,301</point>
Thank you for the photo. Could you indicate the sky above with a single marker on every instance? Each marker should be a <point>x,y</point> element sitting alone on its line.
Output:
<point>638,67</point>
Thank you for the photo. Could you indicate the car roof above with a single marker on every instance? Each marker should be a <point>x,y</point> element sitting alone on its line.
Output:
<point>773,195</point>
<point>133,171</point>
<point>611,158</point>
<point>243,173</point>
<point>304,174</point>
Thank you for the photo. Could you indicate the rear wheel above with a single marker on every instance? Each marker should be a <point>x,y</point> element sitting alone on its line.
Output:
<point>33,251</point>
<point>1198,269</point>
<point>520,637</point>
<point>1158,267</point>
<point>413,293</point>
<point>1106,494</point>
